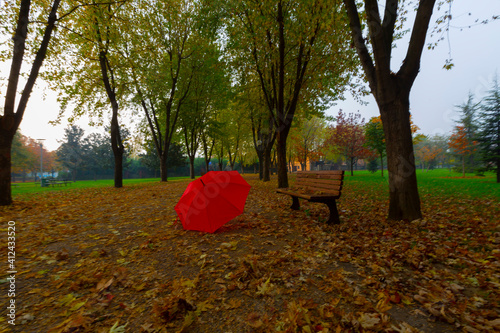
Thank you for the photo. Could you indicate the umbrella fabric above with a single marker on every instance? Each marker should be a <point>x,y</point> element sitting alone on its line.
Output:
<point>213,200</point>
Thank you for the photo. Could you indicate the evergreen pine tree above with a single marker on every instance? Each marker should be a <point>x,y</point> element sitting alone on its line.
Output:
<point>489,134</point>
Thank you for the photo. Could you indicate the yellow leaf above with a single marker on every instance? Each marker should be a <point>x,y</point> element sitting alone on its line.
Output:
<point>383,305</point>
<point>368,320</point>
<point>188,283</point>
<point>234,303</point>
<point>118,329</point>
<point>67,299</point>
<point>204,306</point>
<point>77,306</point>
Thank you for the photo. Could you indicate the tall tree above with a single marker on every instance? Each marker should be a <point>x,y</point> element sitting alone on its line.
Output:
<point>163,64</point>
<point>459,142</point>
<point>427,151</point>
<point>391,90</point>
<point>348,138</point>
<point>13,115</point>
<point>468,120</point>
<point>22,157</point>
<point>93,79</point>
<point>489,135</point>
<point>286,44</point>
<point>209,93</point>
<point>308,139</point>
<point>375,139</point>
<point>263,129</point>
<point>71,153</point>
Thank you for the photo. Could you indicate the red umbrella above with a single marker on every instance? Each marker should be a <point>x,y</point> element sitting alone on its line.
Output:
<point>213,200</point>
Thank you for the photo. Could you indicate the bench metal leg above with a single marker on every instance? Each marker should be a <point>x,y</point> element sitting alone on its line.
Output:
<point>334,213</point>
<point>295,203</point>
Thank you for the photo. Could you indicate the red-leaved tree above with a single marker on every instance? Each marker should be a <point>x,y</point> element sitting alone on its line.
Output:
<point>348,138</point>
<point>461,144</point>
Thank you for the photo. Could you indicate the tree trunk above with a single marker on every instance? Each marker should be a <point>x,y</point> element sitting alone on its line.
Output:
<point>498,169</point>
<point>118,168</point>
<point>117,146</point>
<point>281,160</point>
<point>382,164</point>
<point>266,167</point>
<point>191,167</point>
<point>163,167</point>
<point>404,198</point>
<point>10,120</point>
<point>391,90</point>
<point>261,165</point>
<point>6,138</point>
<point>463,166</point>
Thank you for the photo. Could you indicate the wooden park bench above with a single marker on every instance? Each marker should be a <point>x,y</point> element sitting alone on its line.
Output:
<point>317,186</point>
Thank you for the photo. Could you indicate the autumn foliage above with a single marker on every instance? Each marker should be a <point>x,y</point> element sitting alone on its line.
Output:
<point>461,144</point>
<point>117,260</point>
<point>347,137</point>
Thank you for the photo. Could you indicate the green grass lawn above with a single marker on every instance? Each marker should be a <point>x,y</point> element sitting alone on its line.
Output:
<point>434,182</point>
<point>30,188</point>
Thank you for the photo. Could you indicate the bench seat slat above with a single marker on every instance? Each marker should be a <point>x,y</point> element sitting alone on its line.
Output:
<point>312,196</point>
<point>324,182</point>
<point>313,176</point>
<point>323,190</point>
<point>325,172</point>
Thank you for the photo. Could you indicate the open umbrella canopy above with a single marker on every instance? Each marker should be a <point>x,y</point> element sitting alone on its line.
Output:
<point>212,200</point>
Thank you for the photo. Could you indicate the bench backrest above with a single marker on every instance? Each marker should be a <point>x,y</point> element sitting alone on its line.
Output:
<point>325,182</point>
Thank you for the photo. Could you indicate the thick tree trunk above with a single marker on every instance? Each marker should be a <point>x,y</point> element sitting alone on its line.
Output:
<point>117,153</point>
<point>191,167</point>
<point>498,169</point>
<point>382,164</point>
<point>266,166</point>
<point>261,165</point>
<point>281,160</point>
<point>207,164</point>
<point>404,198</point>
<point>391,90</point>
<point>163,167</point>
<point>119,170</point>
<point>6,138</point>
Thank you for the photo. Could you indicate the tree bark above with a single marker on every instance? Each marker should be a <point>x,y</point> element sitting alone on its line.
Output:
<point>266,167</point>
<point>116,140</point>
<point>391,91</point>
<point>382,164</point>
<point>6,138</point>
<point>498,169</point>
<point>260,155</point>
<point>117,146</point>
<point>281,160</point>
<point>191,167</point>
<point>163,167</point>
<point>404,200</point>
<point>10,121</point>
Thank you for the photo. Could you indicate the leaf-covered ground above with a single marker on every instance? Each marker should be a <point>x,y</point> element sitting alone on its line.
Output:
<point>117,260</point>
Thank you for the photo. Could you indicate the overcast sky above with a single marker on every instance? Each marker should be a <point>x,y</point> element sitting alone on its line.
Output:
<point>475,52</point>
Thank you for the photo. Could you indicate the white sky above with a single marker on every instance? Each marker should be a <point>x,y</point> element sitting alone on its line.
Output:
<point>436,92</point>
